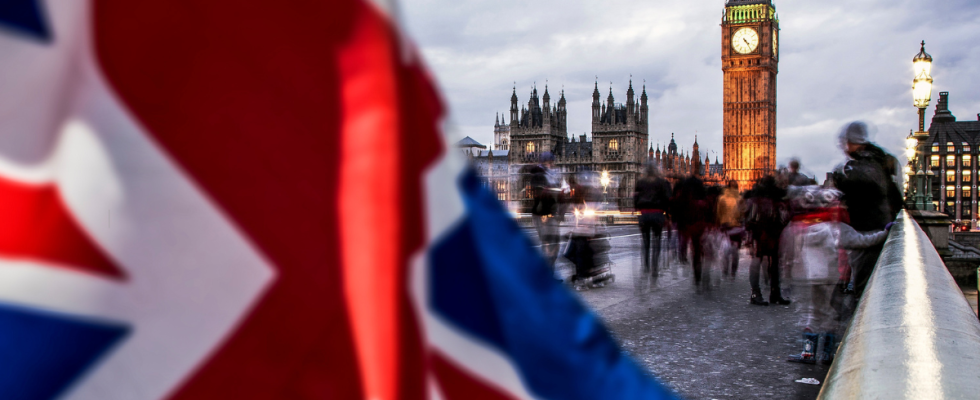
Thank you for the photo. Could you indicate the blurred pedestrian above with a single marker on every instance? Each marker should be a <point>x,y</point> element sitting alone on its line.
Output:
<point>765,217</point>
<point>809,248</point>
<point>795,178</point>
<point>729,213</point>
<point>545,206</point>
<point>651,199</point>
<point>689,208</point>
<point>872,198</point>
<point>588,245</point>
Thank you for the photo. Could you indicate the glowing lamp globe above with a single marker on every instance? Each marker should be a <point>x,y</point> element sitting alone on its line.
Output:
<point>922,81</point>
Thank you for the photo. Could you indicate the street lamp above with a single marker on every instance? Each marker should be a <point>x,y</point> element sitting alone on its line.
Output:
<point>921,95</point>
<point>604,181</point>
<point>922,83</point>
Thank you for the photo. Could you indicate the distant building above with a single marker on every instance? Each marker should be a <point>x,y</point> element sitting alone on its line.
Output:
<point>618,142</point>
<point>674,165</point>
<point>953,159</point>
<point>490,164</point>
<point>749,62</point>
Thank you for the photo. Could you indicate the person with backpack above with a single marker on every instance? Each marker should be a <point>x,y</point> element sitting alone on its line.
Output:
<point>651,199</point>
<point>871,195</point>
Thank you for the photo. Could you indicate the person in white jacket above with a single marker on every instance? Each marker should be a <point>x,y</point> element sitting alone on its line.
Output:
<point>809,247</point>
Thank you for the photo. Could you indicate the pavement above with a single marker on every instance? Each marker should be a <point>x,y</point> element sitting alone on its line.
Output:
<point>712,345</point>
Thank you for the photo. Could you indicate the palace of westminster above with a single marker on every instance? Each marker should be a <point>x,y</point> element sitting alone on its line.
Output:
<point>619,145</point>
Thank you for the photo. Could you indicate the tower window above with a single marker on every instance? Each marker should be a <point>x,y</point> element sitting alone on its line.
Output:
<point>966,177</point>
<point>935,147</point>
<point>530,147</point>
<point>950,148</point>
<point>950,192</point>
<point>950,161</point>
<point>934,161</point>
<point>950,176</point>
<point>966,193</point>
<point>966,147</point>
<point>613,145</point>
<point>966,161</point>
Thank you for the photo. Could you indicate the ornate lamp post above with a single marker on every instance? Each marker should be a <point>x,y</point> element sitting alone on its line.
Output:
<point>911,146</point>
<point>604,181</point>
<point>921,95</point>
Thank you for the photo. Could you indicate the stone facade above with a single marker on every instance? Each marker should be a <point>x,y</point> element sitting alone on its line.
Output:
<point>749,89</point>
<point>952,156</point>
<point>618,142</point>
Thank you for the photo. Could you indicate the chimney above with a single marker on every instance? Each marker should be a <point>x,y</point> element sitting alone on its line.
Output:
<point>943,103</point>
<point>942,109</point>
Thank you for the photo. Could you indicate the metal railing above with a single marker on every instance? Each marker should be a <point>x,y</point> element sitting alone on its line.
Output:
<point>914,335</point>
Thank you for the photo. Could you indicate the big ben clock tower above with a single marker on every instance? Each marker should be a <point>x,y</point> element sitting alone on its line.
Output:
<point>749,58</point>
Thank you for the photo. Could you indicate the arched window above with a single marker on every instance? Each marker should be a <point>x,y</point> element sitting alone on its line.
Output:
<point>530,147</point>
<point>613,145</point>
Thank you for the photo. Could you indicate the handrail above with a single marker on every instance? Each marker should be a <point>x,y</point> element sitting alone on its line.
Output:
<point>913,336</point>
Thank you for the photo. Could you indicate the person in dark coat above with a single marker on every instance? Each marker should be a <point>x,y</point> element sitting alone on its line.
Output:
<point>765,217</point>
<point>689,209</point>
<point>652,200</point>
<point>870,194</point>
<point>795,178</point>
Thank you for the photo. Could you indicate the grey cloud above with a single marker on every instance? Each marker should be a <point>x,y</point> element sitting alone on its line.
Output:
<point>840,61</point>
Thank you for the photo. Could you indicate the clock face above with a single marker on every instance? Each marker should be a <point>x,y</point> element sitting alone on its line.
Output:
<point>775,42</point>
<point>745,40</point>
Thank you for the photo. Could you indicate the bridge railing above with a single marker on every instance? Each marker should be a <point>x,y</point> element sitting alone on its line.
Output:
<point>913,336</point>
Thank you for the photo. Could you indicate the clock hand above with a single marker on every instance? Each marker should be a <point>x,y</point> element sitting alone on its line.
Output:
<point>746,42</point>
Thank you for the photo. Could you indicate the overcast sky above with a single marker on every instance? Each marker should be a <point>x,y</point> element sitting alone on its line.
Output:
<point>839,61</point>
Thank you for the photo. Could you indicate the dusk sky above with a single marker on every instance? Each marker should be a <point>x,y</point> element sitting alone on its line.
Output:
<point>839,61</point>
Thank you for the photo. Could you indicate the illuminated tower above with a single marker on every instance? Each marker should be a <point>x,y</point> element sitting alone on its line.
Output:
<point>749,60</point>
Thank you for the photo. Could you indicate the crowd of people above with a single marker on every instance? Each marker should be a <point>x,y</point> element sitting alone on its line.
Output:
<point>819,243</point>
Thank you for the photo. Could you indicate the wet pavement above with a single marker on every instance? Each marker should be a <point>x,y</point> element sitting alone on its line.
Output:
<point>712,345</point>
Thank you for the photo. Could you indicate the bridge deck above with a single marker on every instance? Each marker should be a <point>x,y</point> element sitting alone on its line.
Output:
<point>713,345</point>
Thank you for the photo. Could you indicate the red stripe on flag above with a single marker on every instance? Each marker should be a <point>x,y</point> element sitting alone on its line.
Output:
<point>369,195</point>
<point>457,384</point>
<point>35,224</point>
<point>251,99</point>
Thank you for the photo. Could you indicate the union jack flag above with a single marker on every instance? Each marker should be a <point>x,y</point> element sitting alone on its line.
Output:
<point>228,199</point>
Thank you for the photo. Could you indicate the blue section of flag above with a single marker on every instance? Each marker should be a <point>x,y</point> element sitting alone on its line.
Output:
<point>42,353</point>
<point>488,280</point>
<point>26,17</point>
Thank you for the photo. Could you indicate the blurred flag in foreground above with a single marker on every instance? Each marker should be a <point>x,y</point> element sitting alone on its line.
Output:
<point>227,199</point>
